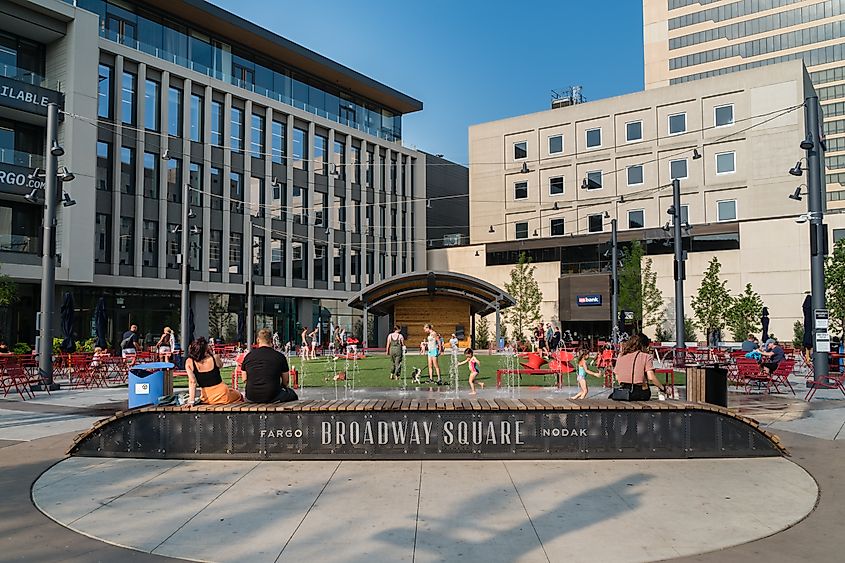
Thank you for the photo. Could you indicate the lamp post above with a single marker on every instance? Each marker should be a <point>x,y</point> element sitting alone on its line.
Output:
<point>185,298</point>
<point>680,270</point>
<point>250,288</point>
<point>614,274</point>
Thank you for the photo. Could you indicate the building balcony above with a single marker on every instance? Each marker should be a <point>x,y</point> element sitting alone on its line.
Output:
<point>25,76</point>
<point>20,158</point>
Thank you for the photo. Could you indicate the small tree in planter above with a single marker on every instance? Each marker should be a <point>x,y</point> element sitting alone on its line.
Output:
<point>525,290</point>
<point>743,315</point>
<point>712,301</point>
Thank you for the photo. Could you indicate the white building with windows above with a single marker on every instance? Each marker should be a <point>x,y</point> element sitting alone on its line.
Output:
<point>548,184</point>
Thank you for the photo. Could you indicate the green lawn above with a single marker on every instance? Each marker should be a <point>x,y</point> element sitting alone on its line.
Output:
<point>374,371</point>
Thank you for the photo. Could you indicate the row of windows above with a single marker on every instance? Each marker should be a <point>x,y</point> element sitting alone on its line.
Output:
<point>834,162</point>
<point>812,57</point>
<point>634,174</point>
<point>831,92</point>
<point>725,211</point>
<point>723,116</point>
<point>726,12</point>
<point>762,46</point>
<point>834,109</point>
<point>829,75</point>
<point>838,195</point>
<point>835,145</point>
<point>834,127</point>
<point>780,20</point>
<point>162,38</point>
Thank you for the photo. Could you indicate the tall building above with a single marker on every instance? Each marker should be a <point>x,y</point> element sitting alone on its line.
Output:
<point>687,40</point>
<point>447,190</point>
<point>548,184</point>
<point>295,165</point>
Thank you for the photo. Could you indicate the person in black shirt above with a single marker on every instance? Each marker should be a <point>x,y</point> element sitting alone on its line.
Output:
<point>129,341</point>
<point>266,373</point>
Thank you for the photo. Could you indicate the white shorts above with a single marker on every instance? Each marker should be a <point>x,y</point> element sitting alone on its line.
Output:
<point>164,349</point>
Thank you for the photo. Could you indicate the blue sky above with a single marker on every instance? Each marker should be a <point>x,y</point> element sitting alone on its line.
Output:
<point>469,61</point>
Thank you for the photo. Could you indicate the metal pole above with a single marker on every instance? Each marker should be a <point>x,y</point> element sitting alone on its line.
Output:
<point>818,230</point>
<point>498,324</point>
<point>250,290</point>
<point>614,275</point>
<point>680,271</point>
<point>48,255</point>
<point>365,337</point>
<point>186,268</point>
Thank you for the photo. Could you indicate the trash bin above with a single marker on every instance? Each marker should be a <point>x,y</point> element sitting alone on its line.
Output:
<point>707,384</point>
<point>148,382</point>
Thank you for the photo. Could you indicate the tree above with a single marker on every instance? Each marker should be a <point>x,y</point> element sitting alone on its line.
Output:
<point>631,282</point>
<point>834,279</point>
<point>221,323</point>
<point>482,332</point>
<point>525,290</point>
<point>8,291</point>
<point>712,301</point>
<point>654,313</point>
<point>798,334</point>
<point>689,330</point>
<point>743,315</point>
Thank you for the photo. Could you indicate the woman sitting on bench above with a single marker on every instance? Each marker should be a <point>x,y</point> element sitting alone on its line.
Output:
<point>203,367</point>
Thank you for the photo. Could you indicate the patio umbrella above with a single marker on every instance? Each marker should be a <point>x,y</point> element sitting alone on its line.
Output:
<point>100,323</point>
<point>807,307</point>
<point>765,322</point>
<point>67,345</point>
<point>241,327</point>
<point>192,327</point>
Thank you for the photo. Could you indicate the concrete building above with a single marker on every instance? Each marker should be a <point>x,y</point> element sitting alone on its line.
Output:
<point>548,183</point>
<point>447,190</point>
<point>686,40</point>
<point>295,165</point>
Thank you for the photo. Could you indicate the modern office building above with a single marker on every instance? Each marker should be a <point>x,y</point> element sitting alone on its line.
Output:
<point>686,40</point>
<point>295,164</point>
<point>548,184</point>
<point>447,189</point>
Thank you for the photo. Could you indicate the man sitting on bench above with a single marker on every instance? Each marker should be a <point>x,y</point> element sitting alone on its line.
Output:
<point>266,373</point>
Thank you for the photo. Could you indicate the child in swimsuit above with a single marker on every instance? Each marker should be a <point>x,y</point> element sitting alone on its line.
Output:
<point>474,364</point>
<point>583,370</point>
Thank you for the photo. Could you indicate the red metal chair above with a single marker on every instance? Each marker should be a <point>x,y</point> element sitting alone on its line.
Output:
<point>750,372</point>
<point>782,373</point>
<point>835,381</point>
<point>12,375</point>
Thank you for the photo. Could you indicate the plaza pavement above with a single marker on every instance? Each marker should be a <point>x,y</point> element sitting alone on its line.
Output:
<point>388,511</point>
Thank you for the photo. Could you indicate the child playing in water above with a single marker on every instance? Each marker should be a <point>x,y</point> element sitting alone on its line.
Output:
<point>474,364</point>
<point>583,370</point>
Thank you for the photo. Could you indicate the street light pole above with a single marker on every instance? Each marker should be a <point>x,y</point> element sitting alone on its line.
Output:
<point>250,289</point>
<point>680,270</point>
<point>614,294</point>
<point>48,254</point>
<point>185,301</point>
<point>818,230</point>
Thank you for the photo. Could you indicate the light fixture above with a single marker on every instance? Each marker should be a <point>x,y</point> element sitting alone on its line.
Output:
<point>671,210</point>
<point>176,229</point>
<point>535,233</point>
<point>606,215</point>
<point>695,154</point>
<point>191,214</point>
<point>67,201</point>
<point>796,170</point>
<point>687,228</point>
<point>556,207</point>
<point>622,199</point>
<point>328,231</point>
<point>492,230</point>
<point>35,174</point>
<point>276,182</point>
<point>524,169</point>
<point>584,184</point>
<point>667,227</point>
<point>428,204</point>
<point>796,195</point>
<point>56,149</point>
<point>801,218</point>
<point>32,196</point>
<point>807,143</point>
<point>66,175</point>
<point>477,254</point>
<point>195,230</point>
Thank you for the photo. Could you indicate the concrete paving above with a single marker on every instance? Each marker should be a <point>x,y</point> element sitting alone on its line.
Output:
<point>426,511</point>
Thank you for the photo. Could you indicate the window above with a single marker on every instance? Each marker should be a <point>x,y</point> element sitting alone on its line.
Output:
<point>152,93</point>
<point>593,138</point>
<point>520,150</point>
<point>382,217</point>
<point>636,219</point>
<point>556,227</point>
<point>838,234</point>
<point>300,148</point>
<point>556,144</point>
<point>321,202</point>
<point>556,186</point>
<point>371,262</point>
<point>216,188</point>
<point>339,216</point>
<point>102,238</point>
<point>633,131</point>
<point>236,192</point>
<point>520,190</point>
<point>594,180</point>
<point>174,245</point>
<point>215,251</point>
<point>237,138</point>
<point>521,230</point>
<point>127,99</point>
<point>677,123</point>
<point>277,133</point>
<point>174,180</point>
<point>195,181</point>
<point>320,273</point>
<point>149,244</point>
<point>726,162</point>
<point>726,210</point>
<point>300,205</point>
<point>151,175</point>
<point>723,115</point>
<point>256,197</point>
<point>174,111</point>
<point>258,255</point>
<point>127,241</point>
<point>236,244</point>
<point>277,257</point>
<point>298,266</point>
<point>104,166</point>
<point>356,164</point>
<point>595,223</point>
<point>370,164</point>
<point>104,92</point>
<point>339,263</point>
<point>355,265</point>
<point>678,169</point>
<point>635,175</point>
<point>196,117</point>
<point>257,137</point>
<point>127,170</point>
<point>340,160</point>
<point>216,123</point>
<point>321,147</point>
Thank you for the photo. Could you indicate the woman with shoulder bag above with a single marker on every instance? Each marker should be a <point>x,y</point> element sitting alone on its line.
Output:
<point>634,370</point>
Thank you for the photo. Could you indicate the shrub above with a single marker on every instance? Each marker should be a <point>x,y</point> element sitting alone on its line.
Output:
<point>21,348</point>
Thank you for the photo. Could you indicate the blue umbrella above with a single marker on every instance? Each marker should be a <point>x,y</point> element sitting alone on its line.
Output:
<point>68,345</point>
<point>100,323</point>
<point>807,307</point>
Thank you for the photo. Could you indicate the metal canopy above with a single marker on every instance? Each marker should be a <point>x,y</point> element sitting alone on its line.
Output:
<point>484,298</point>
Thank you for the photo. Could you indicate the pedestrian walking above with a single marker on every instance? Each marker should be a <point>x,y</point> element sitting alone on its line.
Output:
<point>394,348</point>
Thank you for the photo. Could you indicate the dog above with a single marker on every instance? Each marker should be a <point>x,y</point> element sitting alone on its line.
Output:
<point>415,376</point>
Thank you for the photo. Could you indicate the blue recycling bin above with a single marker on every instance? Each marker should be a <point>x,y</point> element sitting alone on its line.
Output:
<point>148,382</point>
